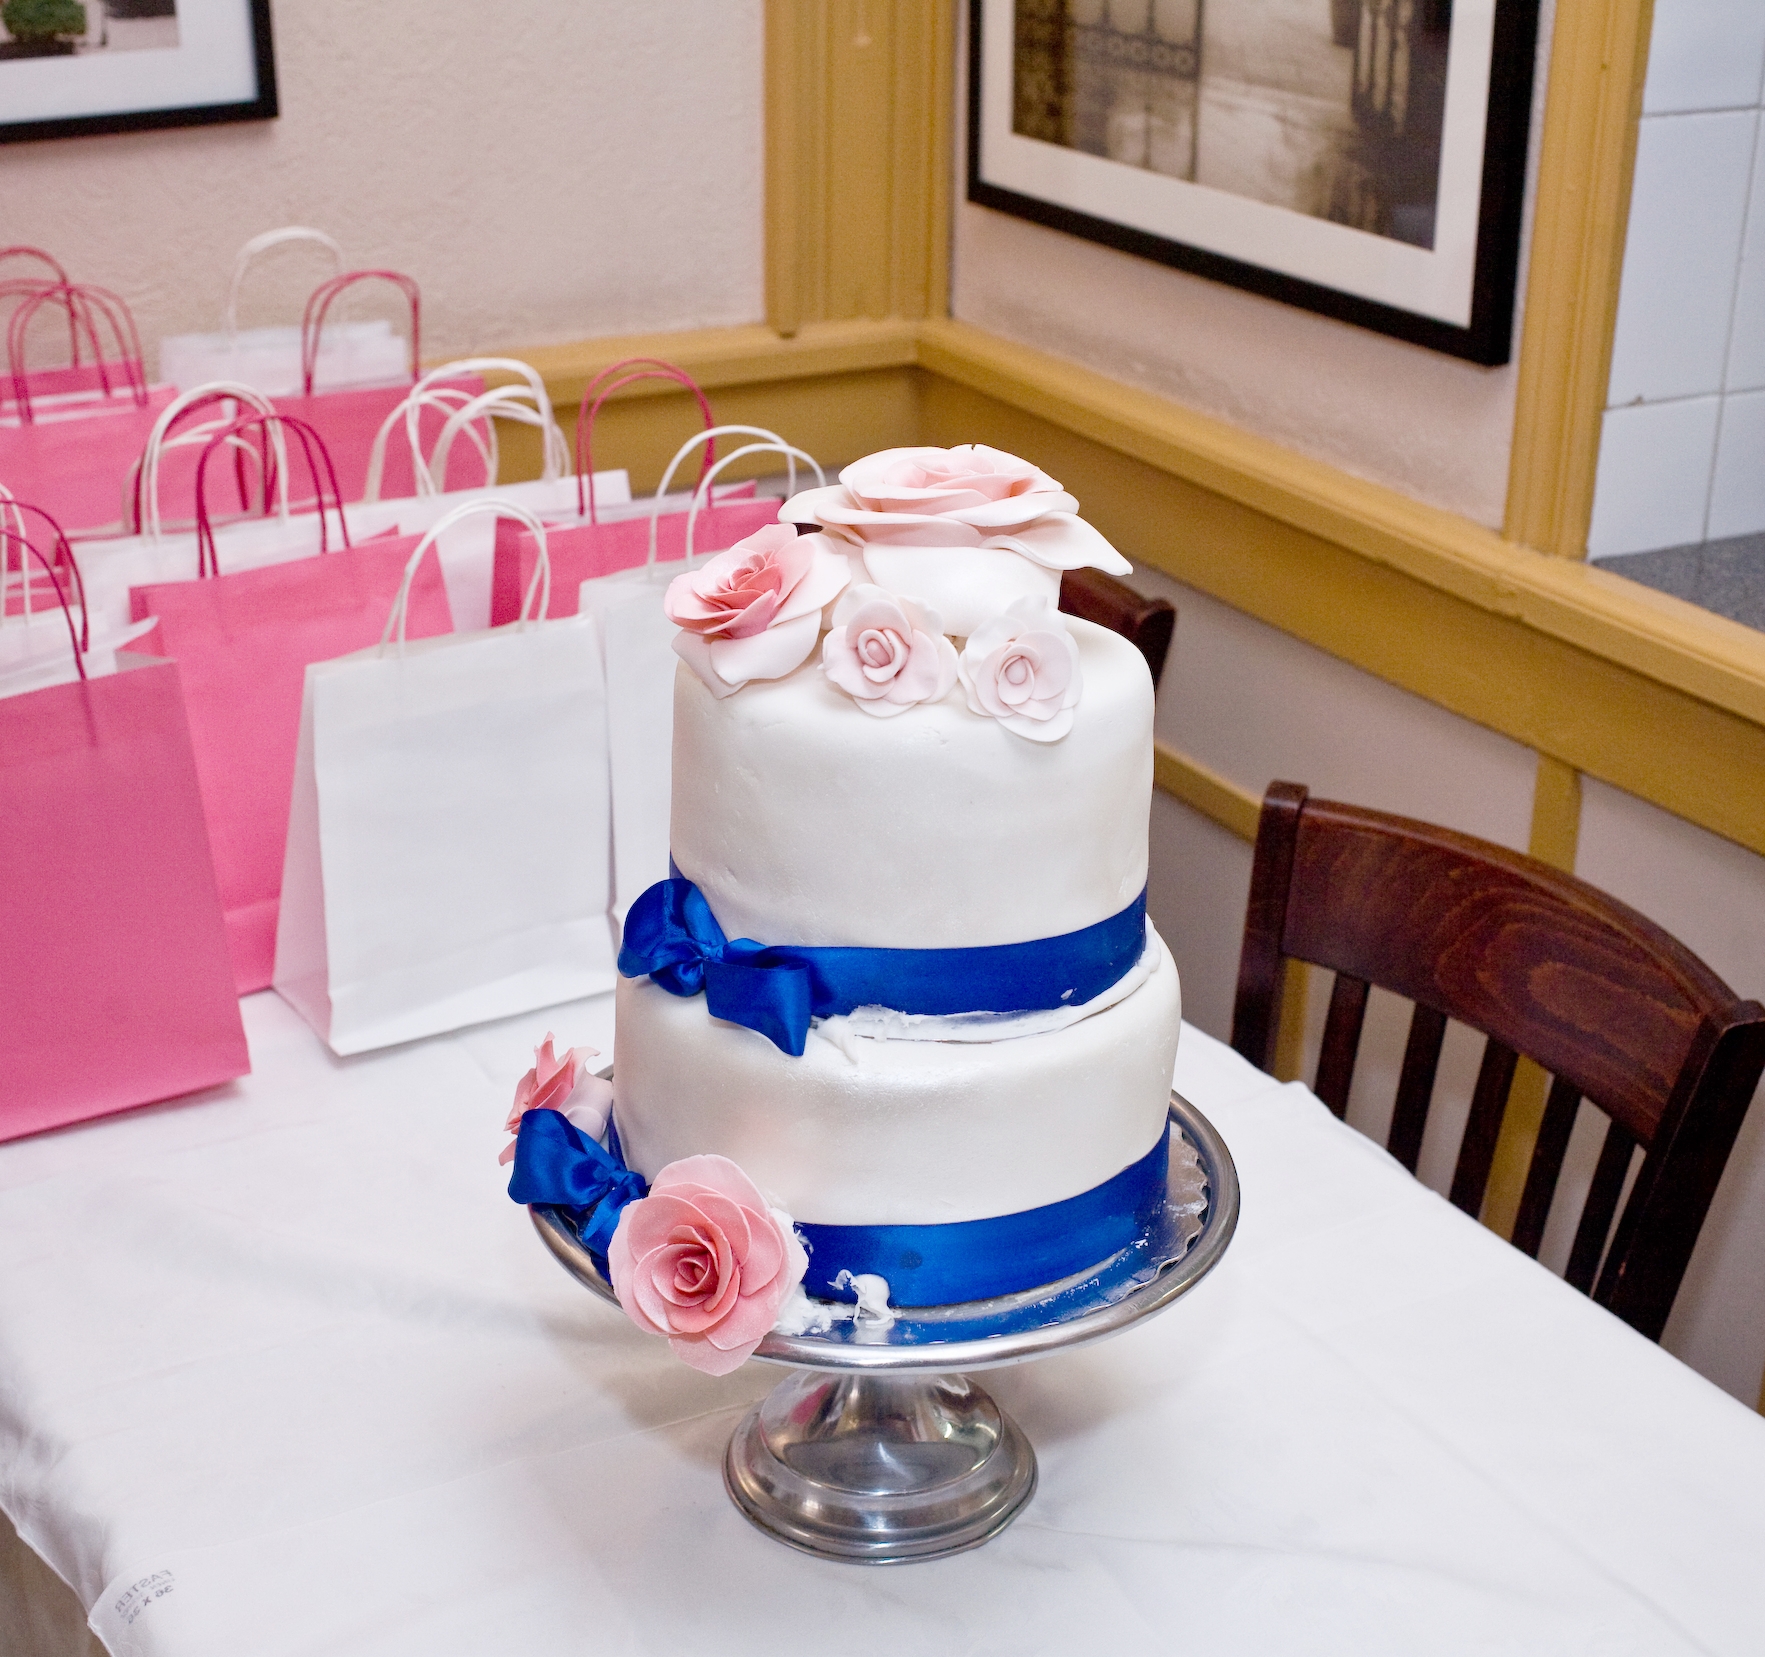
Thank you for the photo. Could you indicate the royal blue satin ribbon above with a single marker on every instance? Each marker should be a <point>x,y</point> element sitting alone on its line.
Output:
<point>559,1166</point>
<point>672,937</point>
<point>925,1265</point>
<point>941,1265</point>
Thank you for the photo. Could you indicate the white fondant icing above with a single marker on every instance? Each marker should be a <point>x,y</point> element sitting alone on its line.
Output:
<point>804,821</point>
<point>914,1132</point>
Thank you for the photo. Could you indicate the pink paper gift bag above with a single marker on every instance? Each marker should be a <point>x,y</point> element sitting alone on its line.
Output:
<point>72,454</point>
<point>242,643</point>
<point>349,419</point>
<point>114,969</point>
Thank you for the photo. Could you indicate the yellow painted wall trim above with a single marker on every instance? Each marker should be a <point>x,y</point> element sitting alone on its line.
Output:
<point>719,357</point>
<point>1587,152</point>
<point>1689,649</point>
<point>1217,798</point>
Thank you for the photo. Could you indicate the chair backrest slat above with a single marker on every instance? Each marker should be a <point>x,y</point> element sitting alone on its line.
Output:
<point>1601,1204</point>
<point>1489,1104</point>
<point>1547,1162</point>
<point>1415,1085</point>
<point>1544,966</point>
<point>1342,1040</point>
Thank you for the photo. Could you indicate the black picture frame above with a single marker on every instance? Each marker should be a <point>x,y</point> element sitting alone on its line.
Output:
<point>262,106</point>
<point>1487,337</point>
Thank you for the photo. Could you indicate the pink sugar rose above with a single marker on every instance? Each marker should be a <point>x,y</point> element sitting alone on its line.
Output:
<point>1022,668</point>
<point>887,653</point>
<point>754,612</point>
<point>965,531</point>
<point>556,1082</point>
<point>706,1261</point>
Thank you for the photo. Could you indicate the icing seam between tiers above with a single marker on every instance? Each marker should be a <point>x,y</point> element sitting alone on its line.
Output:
<point>886,1024</point>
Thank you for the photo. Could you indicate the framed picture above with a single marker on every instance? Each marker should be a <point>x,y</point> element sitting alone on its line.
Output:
<point>69,67</point>
<point>1362,158</point>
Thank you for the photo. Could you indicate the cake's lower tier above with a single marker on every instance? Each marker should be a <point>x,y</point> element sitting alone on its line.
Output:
<point>907,1132</point>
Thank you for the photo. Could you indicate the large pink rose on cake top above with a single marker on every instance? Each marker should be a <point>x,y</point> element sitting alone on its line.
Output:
<point>706,1261</point>
<point>1022,669</point>
<point>964,530</point>
<point>754,612</point>
<point>888,654</point>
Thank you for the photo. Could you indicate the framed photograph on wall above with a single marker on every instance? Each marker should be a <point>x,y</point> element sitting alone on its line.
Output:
<point>70,67</point>
<point>1362,158</point>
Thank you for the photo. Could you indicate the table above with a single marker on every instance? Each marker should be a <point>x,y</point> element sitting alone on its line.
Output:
<point>283,1371</point>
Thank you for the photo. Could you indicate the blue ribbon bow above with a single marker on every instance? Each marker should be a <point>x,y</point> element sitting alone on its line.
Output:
<point>672,937</point>
<point>559,1166</point>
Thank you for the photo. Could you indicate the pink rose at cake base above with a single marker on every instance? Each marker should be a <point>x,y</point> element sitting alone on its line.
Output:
<point>896,1029</point>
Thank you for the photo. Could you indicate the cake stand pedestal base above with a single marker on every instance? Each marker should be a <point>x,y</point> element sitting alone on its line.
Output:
<point>879,1468</point>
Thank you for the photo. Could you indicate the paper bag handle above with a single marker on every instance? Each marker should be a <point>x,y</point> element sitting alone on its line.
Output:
<point>255,250</point>
<point>83,304</point>
<point>12,511</point>
<point>141,488</point>
<point>429,392</point>
<point>702,495</point>
<point>81,641</point>
<point>312,323</point>
<point>525,405</point>
<point>20,250</point>
<point>770,438</point>
<point>642,368</point>
<point>273,427</point>
<point>540,583</point>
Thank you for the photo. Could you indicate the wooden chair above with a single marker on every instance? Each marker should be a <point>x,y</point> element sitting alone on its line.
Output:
<point>1544,965</point>
<point>1146,622</point>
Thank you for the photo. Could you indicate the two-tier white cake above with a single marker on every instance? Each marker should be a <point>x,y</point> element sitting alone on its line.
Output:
<point>940,837</point>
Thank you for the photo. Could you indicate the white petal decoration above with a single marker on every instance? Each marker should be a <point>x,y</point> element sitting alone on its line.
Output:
<point>1062,541</point>
<point>965,585</point>
<point>768,655</point>
<point>826,579</point>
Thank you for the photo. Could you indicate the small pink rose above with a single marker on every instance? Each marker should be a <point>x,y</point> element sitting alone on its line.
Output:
<point>556,1082</point>
<point>1022,668</point>
<point>706,1261</point>
<point>754,612</point>
<point>887,653</point>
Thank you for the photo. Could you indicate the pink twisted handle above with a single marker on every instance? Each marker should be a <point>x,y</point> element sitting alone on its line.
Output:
<point>84,305</point>
<point>318,302</point>
<point>267,474</point>
<point>207,556</point>
<point>20,250</point>
<point>642,368</point>
<point>80,641</point>
<point>64,554</point>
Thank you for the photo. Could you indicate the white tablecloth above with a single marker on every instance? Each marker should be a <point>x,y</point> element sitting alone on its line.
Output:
<point>283,1371</point>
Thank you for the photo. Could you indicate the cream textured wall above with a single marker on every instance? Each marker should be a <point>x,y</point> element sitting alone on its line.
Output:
<point>1438,429</point>
<point>546,171</point>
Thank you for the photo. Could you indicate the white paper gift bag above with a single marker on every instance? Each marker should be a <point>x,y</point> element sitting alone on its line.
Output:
<point>637,643</point>
<point>447,858</point>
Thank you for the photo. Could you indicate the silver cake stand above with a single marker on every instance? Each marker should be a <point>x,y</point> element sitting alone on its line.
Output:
<point>880,1448</point>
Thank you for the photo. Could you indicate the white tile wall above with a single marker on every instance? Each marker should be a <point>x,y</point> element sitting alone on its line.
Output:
<point>1689,201</point>
<point>1654,476</point>
<point>1737,493</point>
<point>1690,331</point>
<point>1746,346</point>
<point>1705,54</point>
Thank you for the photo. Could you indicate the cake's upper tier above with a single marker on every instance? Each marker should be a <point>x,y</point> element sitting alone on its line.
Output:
<point>805,820</point>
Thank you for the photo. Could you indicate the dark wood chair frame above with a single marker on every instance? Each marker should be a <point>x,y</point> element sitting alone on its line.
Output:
<point>1147,623</point>
<point>1544,965</point>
